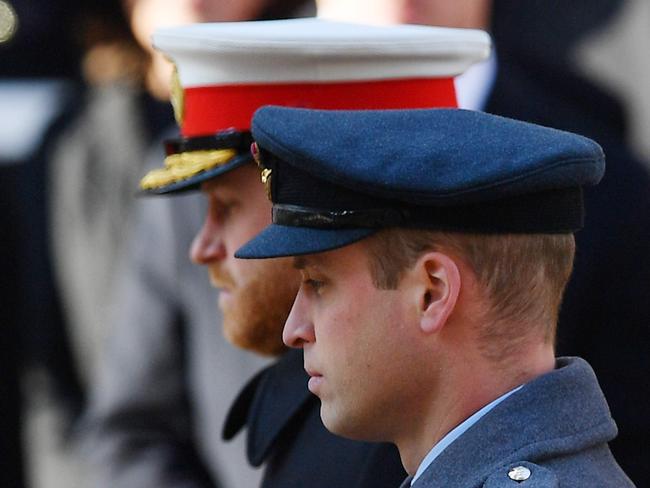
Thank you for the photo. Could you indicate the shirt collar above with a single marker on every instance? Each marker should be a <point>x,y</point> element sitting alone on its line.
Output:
<point>474,86</point>
<point>456,432</point>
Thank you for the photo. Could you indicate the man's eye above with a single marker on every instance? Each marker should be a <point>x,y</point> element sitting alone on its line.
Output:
<point>225,209</point>
<point>314,285</point>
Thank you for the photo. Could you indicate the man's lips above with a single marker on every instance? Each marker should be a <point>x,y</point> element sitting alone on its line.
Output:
<point>220,284</point>
<point>312,372</point>
<point>221,281</point>
<point>225,290</point>
<point>315,380</point>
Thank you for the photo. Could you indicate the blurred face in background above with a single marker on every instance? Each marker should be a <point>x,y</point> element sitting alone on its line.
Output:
<point>255,295</point>
<point>445,13</point>
<point>148,15</point>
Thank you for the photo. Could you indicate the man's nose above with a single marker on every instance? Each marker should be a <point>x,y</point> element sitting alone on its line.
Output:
<point>208,245</point>
<point>298,329</point>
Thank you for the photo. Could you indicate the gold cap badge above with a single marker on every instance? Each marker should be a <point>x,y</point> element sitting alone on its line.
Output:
<point>266,172</point>
<point>177,95</point>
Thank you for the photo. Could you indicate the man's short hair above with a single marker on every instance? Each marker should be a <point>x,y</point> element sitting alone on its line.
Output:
<point>523,275</point>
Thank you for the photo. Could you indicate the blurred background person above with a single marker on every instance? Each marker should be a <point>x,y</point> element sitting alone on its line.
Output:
<point>39,56</point>
<point>538,75</point>
<point>72,134</point>
<point>148,333</point>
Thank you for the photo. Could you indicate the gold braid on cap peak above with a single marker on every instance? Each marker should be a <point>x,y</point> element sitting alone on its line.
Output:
<point>184,165</point>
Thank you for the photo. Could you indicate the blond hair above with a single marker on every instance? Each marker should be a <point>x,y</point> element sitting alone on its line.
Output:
<point>523,275</point>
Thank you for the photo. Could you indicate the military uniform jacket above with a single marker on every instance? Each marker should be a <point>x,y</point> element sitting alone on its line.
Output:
<point>551,433</point>
<point>539,81</point>
<point>286,433</point>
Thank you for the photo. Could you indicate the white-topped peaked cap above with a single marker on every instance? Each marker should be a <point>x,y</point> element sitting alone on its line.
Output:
<point>301,55</point>
<point>317,50</point>
<point>226,71</point>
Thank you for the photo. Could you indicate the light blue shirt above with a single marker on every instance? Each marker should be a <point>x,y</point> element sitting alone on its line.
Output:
<point>457,432</point>
<point>474,86</point>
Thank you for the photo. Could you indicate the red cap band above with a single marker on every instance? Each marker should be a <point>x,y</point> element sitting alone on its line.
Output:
<point>215,108</point>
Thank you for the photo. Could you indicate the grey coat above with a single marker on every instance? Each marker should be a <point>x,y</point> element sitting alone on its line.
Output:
<point>167,375</point>
<point>557,427</point>
<point>94,167</point>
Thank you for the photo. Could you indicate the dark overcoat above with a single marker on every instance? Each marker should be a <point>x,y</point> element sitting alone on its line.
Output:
<point>286,433</point>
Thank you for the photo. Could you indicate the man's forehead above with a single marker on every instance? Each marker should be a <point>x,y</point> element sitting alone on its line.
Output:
<point>233,181</point>
<point>302,262</point>
<point>334,259</point>
<point>211,185</point>
<point>309,261</point>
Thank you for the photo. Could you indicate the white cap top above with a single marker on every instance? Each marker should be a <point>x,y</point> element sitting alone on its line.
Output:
<point>316,50</point>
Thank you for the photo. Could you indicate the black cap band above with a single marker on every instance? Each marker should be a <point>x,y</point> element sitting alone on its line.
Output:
<point>229,139</point>
<point>555,211</point>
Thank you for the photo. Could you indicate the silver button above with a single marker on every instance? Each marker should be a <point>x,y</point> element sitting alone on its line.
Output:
<point>519,473</point>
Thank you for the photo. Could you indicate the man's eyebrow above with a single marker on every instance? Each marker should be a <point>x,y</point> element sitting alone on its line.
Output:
<point>299,262</point>
<point>304,262</point>
<point>207,186</point>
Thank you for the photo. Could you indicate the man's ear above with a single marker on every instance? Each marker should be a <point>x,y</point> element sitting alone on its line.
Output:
<point>440,281</point>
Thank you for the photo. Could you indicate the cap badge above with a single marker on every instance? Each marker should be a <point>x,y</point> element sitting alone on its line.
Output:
<point>177,95</point>
<point>266,172</point>
<point>266,179</point>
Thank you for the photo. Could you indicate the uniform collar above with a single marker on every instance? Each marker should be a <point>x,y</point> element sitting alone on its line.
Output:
<point>267,404</point>
<point>572,415</point>
<point>459,430</point>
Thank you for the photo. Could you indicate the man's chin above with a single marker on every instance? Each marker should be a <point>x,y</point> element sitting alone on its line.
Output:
<point>252,340</point>
<point>254,312</point>
<point>224,300</point>
<point>343,423</point>
<point>332,421</point>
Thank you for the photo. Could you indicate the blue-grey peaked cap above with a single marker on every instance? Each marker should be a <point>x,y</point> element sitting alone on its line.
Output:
<point>339,176</point>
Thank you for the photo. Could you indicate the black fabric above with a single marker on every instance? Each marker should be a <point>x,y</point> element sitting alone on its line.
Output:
<point>239,410</point>
<point>11,351</point>
<point>556,211</point>
<point>229,139</point>
<point>605,317</point>
<point>285,432</point>
<point>156,115</point>
<point>44,44</point>
<point>284,9</point>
